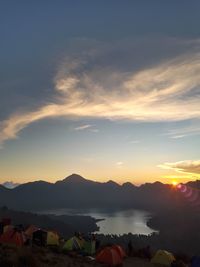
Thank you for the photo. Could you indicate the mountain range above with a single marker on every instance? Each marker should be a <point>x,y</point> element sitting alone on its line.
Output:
<point>78,192</point>
<point>10,184</point>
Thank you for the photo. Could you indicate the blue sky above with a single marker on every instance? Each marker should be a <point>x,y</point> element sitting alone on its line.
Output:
<point>106,89</point>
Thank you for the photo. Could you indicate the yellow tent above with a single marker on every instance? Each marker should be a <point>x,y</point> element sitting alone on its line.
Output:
<point>52,239</point>
<point>163,257</point>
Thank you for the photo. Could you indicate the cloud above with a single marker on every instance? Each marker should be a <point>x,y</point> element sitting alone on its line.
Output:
<point>178,136</point>
<point>119,164</point>
<point>191,130</point>
<point>186,166</point>
<point>135,142</point>
<point>87,88</point>
<point>89,127</point>
<point>83,127</point>
<point>10,184</point>
<point>94,130</point>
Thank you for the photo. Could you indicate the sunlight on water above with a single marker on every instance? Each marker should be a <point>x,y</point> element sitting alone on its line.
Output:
<point>115,222</point>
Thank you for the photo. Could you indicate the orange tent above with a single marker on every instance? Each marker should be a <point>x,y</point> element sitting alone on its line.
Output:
<point>12,237</point>
<point>30,230</point>
<point>109,256</point>
<point>119,250</point>
<point>7,228</point>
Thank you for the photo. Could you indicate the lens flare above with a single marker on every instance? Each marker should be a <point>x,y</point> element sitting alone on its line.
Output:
<point>179,186</point>
<point>174,183</point>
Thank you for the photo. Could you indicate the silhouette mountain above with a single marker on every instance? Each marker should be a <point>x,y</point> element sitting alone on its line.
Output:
<point>73,178</point>
<point>10,184</point>
<point>194,184</point>
<point>77,192</point>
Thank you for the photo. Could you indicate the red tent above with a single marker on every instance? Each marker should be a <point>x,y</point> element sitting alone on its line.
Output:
<point>109,256</point>
<point>12,237</point>
<point>6,221</point>
<point>119,250</point>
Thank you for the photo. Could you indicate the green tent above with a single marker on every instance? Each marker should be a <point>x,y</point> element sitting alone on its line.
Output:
<point>89,247</point>
<point>72,244</point>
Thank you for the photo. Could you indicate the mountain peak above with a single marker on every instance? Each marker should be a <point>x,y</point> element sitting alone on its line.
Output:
<point>75,178</point>
<point>10,184</point>
<point>113,183</point>
<point>128,185</point>
<point>154,185</point>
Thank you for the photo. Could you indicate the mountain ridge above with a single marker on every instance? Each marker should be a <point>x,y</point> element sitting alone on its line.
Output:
<point>76,192</point>
<point>78,178</point>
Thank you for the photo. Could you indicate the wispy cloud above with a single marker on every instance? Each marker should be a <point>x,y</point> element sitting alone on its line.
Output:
<point>191,130</point>
<point>135,142</point>
<point>186,166</point>
<point>89,127</point>
<point>94,130</point>
<point>10,184</point>
<point>119,164</point>
<point>82,127</point>
<point>165,92</point>
<point>178,136</point>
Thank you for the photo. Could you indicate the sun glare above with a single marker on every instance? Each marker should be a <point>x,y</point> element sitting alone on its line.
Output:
<point>174,183</point>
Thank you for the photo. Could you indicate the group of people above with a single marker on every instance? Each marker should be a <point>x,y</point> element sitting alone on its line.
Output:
<point>89,237</point>
<point>142,253</point>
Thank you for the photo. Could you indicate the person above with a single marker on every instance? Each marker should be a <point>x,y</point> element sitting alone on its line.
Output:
<point>76,234</point>
<point>147,252</point>
<point>1,228</point>
<point>97,244</point>
<point>178,263</point>
<point>93,237</point>
<point>130,248</point>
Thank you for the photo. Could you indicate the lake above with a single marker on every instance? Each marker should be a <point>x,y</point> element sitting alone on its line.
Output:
<point>115,222</point>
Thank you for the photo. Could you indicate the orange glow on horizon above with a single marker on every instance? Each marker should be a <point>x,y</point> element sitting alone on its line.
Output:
<point>174,183</point>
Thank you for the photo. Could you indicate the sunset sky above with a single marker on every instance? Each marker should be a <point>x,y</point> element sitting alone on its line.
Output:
<point>105,89</point>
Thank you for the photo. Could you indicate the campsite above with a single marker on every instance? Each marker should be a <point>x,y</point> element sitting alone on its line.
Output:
<point>34,247</point>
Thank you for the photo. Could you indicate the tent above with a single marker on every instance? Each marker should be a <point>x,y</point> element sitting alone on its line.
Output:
<point>89,247</point>
<point>13,237</point>
<point>30,230</point>
<point>73,243</point>
<point>195,261</point>
<point>8,228</point>
<point>6,221</point>
<point>52,238</point>
<point>163,257</point>
<point>119,250</point>
<point>109,256</point>
<point>39,238</point>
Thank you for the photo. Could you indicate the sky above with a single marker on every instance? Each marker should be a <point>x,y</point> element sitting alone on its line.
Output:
<point>105,89</point>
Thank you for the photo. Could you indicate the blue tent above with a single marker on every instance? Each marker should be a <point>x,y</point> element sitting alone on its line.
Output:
<point>195,261</point>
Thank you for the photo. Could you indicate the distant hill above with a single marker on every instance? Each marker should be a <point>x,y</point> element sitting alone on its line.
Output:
<point>66,225</point>
<point>194,184</point>
<point>77,192</point>
<point>10,184</point>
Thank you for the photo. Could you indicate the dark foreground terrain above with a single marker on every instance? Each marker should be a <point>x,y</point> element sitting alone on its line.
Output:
<point>43,257</point>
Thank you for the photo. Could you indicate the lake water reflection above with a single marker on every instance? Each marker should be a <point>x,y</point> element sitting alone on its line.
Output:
<point>115,222</point>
